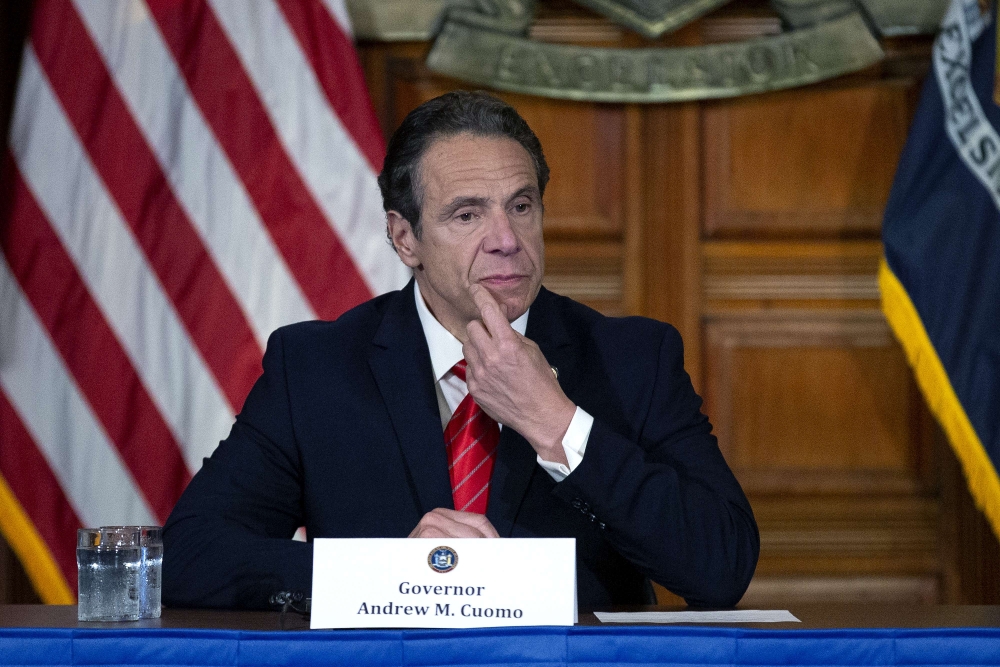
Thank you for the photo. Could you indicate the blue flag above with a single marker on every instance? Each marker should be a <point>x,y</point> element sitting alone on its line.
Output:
<point>940,279</point>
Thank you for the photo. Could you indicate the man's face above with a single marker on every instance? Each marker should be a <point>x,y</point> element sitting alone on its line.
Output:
<point>481,220</point>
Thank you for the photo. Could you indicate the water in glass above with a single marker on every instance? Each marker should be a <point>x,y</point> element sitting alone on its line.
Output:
<point>108,583</point>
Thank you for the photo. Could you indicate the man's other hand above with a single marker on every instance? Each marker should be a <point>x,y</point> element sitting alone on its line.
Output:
<point>443,522</point>
<point>510,379</point>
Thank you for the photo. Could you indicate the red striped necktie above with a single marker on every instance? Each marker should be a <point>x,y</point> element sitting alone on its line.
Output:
<point>471,438</point>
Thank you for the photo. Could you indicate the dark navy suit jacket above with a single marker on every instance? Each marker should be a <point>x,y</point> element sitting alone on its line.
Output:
<point>342,434</point>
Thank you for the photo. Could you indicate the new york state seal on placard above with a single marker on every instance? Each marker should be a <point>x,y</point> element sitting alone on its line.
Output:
<point>442,559</point>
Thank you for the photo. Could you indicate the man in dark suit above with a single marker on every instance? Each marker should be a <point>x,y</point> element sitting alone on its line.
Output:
<point>473,403</point>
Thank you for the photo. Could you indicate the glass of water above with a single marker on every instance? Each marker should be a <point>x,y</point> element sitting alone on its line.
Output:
<point>108,562</point>
<point>150,541</point>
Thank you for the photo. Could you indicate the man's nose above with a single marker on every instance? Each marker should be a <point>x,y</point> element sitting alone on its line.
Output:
<point>500,235</point>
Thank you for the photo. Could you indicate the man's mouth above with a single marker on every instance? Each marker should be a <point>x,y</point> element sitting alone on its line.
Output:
<point>502,279</point>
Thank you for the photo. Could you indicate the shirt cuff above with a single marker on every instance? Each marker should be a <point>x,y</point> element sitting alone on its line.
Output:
<point>574,444</point>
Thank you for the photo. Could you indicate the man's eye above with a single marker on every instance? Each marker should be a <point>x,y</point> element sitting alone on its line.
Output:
<point>465,217</point>
<point>522,208</point>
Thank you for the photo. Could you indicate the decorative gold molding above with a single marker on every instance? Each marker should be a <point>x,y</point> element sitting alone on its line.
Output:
<point>652,18</point>
<point>896,18</point>
<point>654,75</point>
<point>420,20</point>
<point>486,42</point>
<point>893,18</point>
<point>396,20</point>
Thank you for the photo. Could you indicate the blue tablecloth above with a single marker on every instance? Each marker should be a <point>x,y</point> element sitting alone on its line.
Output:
<point>676,646</point>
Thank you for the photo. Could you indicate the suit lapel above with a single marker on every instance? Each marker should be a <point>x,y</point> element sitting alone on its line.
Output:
<point>401,365</point>
<point>516,460</point>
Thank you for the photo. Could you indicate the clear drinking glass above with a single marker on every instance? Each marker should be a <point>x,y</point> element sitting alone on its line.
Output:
<point>150,541</point>
<point>108,562</point>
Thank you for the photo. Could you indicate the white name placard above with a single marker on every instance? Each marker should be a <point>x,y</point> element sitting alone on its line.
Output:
<point>443,583</point>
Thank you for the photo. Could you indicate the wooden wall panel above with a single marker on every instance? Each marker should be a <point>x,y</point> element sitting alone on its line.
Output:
<point>814,394</point>
<point>586,193</point>
<point>671,171</point>
<point>806,162</point>
<point>814,405</point>
<point>849,405</point>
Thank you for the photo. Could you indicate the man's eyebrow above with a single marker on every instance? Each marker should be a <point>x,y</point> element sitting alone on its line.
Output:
<point>460,202</point>
<point>527,191</point>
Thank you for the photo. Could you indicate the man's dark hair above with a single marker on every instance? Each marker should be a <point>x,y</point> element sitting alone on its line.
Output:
<point>453,113</point>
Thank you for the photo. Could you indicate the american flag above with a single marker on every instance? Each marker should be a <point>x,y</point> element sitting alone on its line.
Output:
<point>182,177</point>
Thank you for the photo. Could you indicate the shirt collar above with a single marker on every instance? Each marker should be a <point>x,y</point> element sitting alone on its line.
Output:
<point>445,349</point>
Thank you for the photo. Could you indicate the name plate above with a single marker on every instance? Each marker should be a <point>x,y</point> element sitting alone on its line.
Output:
<point>434,583</point>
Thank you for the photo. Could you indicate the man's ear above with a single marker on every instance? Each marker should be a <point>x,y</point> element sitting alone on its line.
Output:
<point>403,240</point>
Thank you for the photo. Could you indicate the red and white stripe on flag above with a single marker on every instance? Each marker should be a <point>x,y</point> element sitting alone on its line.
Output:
<point>182,178</point>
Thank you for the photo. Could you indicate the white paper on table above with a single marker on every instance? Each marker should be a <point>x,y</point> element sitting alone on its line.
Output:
<point>729,616</point>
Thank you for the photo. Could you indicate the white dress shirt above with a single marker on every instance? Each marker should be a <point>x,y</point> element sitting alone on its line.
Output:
<point>446,351</point>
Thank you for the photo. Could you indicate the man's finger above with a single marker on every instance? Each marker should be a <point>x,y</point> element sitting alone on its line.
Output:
<point>493,317</point>
<point>488,529</point>
<point>478,341</point>
<point>471,519</point>
<point>442,523</point>
<point>489,309</point>
<point>477,521</point>
<point>446,529</point>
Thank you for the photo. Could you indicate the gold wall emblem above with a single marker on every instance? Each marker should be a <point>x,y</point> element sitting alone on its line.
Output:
<point>485,42</point>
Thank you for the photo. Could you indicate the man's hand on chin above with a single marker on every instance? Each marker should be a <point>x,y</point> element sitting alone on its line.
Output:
<point>443,522</point>
<point>510,379</point>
